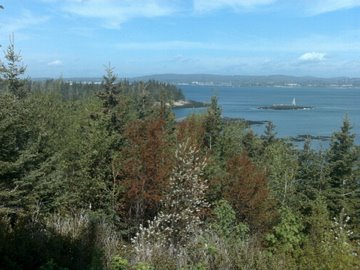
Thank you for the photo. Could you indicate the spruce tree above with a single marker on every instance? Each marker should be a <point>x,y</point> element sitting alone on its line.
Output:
<point>269,134</point>
<point>312,177</point>
<point>12,71</point>
<point>344,188</point>
<point>213,123</point>
<point>110,88</point>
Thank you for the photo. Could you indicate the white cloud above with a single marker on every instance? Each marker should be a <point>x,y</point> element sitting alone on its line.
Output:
<point>208,5</point>
<point>114,13</point>
<point>25,20</point>
<point>55,63</point>
<point>315,7</point>
<point>312,57</point>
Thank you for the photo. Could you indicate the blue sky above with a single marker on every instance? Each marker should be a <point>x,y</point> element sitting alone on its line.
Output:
<point>73,38</point>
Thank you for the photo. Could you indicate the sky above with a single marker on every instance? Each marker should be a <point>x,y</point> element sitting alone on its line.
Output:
<point>79,38</point>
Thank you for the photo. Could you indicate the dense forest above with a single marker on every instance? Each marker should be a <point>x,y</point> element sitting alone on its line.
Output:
<point>104,177</point>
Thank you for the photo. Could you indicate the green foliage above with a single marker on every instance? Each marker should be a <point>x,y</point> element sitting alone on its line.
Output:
<point>287,235</point>
<point>225,223</point>
<point>22,150</point>
<point>30,244</point>
<point>230,143</point>
<point>280,163</point>
<point>12,71</point>
<point>79,170</point>
<point>269,136</point>
<point>252,144</point>
<point>51,265</point>
<point>143,266</point>
<point>198,266</point>
<point>213,124</point>
<point>312,178</point>
<point>344,192</point>
<point>119,263</point>
<point>328,245</point>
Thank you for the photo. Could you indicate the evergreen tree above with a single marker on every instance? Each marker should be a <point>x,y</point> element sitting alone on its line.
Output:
<point>252,144</point>
<point>110,97</point>
<point>24,149</point>
<point>213,124</point>
<point>143,100</point>
<point>12,141</point>
<point>344,188</point>
<point>269,134</point>
<point>12,71</point>
<point>231,139</point>
<point>312,177</point>
<point>110,88</point>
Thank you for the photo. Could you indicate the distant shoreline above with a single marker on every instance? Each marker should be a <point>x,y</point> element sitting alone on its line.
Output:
<point>278,81</point>
<point>213,80</point>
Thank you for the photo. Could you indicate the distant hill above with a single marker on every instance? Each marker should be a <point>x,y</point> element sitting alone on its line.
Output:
<point>236,80</point>
<point>240,80</point>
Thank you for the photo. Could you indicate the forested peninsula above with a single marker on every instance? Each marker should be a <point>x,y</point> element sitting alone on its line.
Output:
<point>102,176</point>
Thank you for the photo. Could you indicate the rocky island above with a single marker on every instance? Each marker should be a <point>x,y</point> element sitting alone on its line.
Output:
<point>291,106</point>
<point>181,104</point>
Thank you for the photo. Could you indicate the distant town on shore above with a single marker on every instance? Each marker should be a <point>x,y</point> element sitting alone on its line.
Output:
<point>238,80</point>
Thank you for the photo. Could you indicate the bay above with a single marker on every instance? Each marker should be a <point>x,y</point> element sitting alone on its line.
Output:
<point>330,106</point>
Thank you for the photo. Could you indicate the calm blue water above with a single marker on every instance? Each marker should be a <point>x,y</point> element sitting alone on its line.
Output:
<point>330,107</point>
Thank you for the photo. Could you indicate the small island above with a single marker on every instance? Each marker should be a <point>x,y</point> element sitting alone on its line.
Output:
<point>291,106</point>
<point>181,104</point>
<point>304,137</point>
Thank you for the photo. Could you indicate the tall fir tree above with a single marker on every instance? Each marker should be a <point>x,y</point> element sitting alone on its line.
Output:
<point>312,177</point>
<point>13,70</point>
<point>269,134</point>
<point>213,123</point>
<point>344,188</point>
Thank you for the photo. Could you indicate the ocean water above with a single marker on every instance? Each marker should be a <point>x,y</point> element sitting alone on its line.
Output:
<point>331,105</point>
